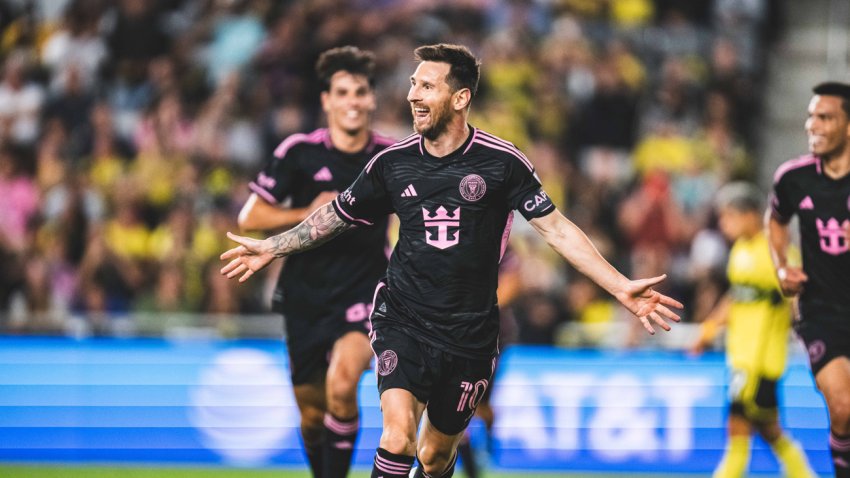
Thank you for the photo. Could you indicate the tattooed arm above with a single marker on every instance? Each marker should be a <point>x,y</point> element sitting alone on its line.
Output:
<point>252,255</point>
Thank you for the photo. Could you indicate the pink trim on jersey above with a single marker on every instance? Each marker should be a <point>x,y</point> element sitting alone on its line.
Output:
<point>506,234</point>
<point>380,286</point>
<point>326,138</point>
<point>797,163</point>
<point>474,135</point>
<point>260,191</point>
<point>350,218</point>
<point>513,151</point>
<point>503,142</point>
<point>315,137</point>
<point>397,146</point>
<point>339,427</point>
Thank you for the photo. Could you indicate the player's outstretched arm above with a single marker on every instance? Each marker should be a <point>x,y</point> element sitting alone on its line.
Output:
<point>636,295</point>
<point>251,255</point>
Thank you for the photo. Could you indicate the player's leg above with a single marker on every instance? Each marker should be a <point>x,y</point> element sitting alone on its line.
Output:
<point>455,396</point>
<point>437,451</point>
<point>350,357</point>
<point>396,451</point>
<point>310,398</point>
<point>764,414</point>
<point>833,380</point>
<point>404,374</point>
<point>736,456</point>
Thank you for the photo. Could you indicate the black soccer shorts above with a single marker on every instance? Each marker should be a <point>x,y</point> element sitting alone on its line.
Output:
<point>451,386</point>
<point>312,332</point>
<point>825,331</point>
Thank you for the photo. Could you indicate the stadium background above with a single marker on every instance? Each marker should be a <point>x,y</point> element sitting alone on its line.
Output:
<point>129,130</point>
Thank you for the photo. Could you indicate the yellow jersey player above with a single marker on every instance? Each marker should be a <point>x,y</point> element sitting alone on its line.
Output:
<point>758,321</point>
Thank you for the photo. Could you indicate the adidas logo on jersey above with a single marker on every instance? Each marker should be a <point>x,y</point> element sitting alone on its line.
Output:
<point>409,192</point>
<point>323,174</point>
<point>807,203</point>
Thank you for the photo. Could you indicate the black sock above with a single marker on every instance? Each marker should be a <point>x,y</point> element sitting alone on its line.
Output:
<point>340,436</point>
<point>314,454</point>
<point>840,448</point>
<point>390,465</point>
<point>467,458</point>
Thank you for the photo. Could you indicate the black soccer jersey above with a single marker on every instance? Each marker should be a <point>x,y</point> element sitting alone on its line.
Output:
<point>455,215</point>
<point>822,205</point>
<point>303,166</point>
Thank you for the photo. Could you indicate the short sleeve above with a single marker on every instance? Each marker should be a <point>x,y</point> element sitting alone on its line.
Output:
<point>366,199</point>
<point>525,193</point>
<point>274,182</point>
<point>781,207</point>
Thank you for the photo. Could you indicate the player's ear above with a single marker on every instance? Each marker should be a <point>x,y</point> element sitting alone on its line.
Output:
<point>462,98</point>
<point>325,97</point>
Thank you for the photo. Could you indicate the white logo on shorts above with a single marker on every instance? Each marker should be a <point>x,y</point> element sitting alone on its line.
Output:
<point>387,363</point>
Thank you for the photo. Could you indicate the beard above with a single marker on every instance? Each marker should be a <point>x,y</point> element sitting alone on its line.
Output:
<point>439,121</point>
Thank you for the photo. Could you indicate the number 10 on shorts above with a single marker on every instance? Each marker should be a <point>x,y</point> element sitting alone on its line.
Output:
<point>472,394</point>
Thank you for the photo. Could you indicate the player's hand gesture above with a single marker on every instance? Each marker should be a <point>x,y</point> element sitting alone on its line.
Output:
<point>249,257</point>
<point>649,305</point>
<point>791,280</point>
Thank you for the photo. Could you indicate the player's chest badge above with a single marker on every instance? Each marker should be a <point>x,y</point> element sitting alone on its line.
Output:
<point>472,187</point>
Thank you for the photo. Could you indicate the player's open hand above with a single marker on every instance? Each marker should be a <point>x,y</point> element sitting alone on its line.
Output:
<point>249,257</point>
<point>649,305</point>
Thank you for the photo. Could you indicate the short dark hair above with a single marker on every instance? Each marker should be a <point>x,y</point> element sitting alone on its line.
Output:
<point>465,68</point>
<point>345,58</point>
<point>741,196</point>
<point>834,88</point>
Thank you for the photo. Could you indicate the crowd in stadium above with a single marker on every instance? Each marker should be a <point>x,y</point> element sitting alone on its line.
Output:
<point>129,131</point>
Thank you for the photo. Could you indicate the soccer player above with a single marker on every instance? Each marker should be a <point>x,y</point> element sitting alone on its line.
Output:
<point>816,188</point>
<point>325,295</point>
<point>435,318</point>
<point>758,321</point>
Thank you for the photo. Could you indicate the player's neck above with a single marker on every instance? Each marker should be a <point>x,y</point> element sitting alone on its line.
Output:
<point>349,143</point>
<point>837,166</point>
<point>449,141</point>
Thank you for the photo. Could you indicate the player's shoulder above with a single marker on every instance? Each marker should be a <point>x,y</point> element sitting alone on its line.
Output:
<point>401,148</point>
<point>798,166</point>
<point>381,142</point>
<point>499,148</point>
<point>298,141</point>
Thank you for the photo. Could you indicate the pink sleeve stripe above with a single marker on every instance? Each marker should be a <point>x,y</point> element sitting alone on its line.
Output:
<point>348,216</point>
<point>792,164</point>
<point>474,135</point>
<point>498,140</point>
<point>511,151</point>
<point>259,191</point>
<point>315,137</point>
<point>380,286</point>
<point>397,146</point>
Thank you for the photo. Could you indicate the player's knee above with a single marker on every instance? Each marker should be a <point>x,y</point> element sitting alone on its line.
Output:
<point>434,459</point>
<point>398,440</point>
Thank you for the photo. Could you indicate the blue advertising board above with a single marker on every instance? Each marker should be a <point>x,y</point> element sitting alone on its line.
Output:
<point>230,403</point>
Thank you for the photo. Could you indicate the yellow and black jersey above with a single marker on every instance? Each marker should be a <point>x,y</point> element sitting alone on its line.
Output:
<point>759,318</point>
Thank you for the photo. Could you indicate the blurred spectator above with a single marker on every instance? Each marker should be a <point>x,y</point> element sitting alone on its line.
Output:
<point>20,102</point>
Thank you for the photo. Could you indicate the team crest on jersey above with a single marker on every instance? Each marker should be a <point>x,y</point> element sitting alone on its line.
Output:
<point>472,187</point>
<point>386,363</point>
<point>447,226</point>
